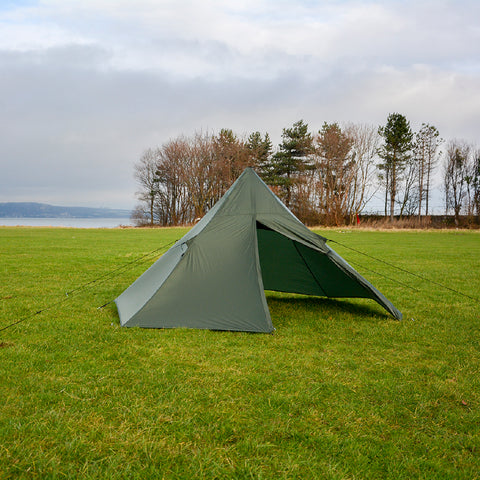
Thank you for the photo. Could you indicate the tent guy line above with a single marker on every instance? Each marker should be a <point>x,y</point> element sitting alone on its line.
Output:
<point>382,275</point>
<point>102,278</point>
<point>28,317</point>
<point>122,267</point>
<point>425,279</point>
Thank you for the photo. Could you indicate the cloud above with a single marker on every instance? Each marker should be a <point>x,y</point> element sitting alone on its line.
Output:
<point>86,87</point>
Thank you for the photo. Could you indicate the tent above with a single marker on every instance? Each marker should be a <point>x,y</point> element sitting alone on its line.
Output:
<point>215,277</point>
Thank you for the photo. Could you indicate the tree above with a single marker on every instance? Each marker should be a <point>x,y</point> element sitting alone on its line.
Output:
<point>395,152</point>
<point>365,140</point>
<point>473,184</point>
<point>145,173</point>
<point>260,152</point>
<point>292,159</point>
<point>476,182</point>
<point>408,195</point>
<point>201,177</point>
<point>181,180</point>
<point>172,203</point>
<point>427,143</point>
<point>335,171</point>
<point>232,156</point>
<point>456,171</point>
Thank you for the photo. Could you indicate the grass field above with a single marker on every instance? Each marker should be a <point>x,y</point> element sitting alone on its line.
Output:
<point>339,391</point>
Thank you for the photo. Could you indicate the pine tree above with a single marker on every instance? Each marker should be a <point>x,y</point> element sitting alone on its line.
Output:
<point>260,152</point>
<point>292,159</point>
<point>395,151</point>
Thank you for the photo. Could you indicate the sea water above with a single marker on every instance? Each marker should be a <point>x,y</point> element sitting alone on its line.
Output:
<point>67,222</point>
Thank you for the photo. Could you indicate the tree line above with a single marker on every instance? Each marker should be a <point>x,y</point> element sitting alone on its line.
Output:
<point>327,177</point>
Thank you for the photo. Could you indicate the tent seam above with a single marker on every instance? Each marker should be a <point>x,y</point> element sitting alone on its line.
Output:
<point>309,269</point>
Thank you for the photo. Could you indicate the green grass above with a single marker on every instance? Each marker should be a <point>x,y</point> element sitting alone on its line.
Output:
<point>340,391</point>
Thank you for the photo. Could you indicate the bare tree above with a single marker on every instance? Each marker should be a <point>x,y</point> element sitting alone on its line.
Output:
<point>427,143</point>
<point>365,142</point>
<point>476,182</point>
<point>173,203</point>
<point>456,170</point>
<point>335,170</point>
<point>145,175</point>
<point>184,178</point>
<point>408,197</point>
<point>472,181</point>
<point>200,176</point>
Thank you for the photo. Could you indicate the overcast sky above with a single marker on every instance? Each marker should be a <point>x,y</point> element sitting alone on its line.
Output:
<point>86,86</point>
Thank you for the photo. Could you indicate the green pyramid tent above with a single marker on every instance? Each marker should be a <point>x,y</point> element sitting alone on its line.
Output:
<point>215,276</point>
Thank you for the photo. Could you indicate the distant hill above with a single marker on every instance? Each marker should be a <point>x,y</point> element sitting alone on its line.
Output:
<point>43,210</point>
